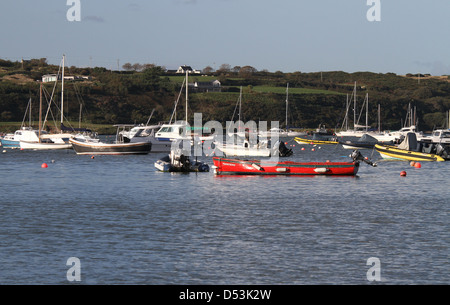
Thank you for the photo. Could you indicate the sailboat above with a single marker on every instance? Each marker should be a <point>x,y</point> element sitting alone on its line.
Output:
<point>280,133</point>
<point>180,130</point>
<point>25,133</point>
<point>48,143</point>
<point>289,132</point>
<point>358,130</point>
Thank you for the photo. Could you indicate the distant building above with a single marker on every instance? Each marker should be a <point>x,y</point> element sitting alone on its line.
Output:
<point>183,69</point>
<point>48,78</point>
<point>214,86</point>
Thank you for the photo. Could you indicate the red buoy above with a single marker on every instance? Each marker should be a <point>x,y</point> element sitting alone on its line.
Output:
<point>417,165</point>
<point>403,174</point>
<point>44,165</point>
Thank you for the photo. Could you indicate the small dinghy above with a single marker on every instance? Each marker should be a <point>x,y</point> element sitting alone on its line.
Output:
<point>178,161</point>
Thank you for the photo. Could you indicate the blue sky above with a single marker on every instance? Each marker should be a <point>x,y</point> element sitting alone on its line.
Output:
<point>275,35</point>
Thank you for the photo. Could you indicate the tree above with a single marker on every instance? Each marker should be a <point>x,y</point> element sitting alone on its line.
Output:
<point>247,71</point>
<point>236,69</point>
<point>208,70</point>
<point>224,68</point>
<point>127,67</point>
<point>137,67</point>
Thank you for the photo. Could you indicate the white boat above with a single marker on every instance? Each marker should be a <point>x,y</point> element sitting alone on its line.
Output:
<point>283,133</point>
<point>147,133</point>
<point>25,133</point>
<point>43,141</point>
<point>244,148</point>
<point>438,136</point>
<point>260,150</point>
<point>358,129</point>
<point>274,132</point>
<point>44,145</point>
<point>292,133</point>
<point>49,141</point>
<point>12,140</point>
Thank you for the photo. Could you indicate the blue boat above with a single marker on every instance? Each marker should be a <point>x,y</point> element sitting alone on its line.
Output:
<point>12,140</point>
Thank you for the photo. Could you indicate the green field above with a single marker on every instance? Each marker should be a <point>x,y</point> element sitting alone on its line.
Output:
<point>282,90</point>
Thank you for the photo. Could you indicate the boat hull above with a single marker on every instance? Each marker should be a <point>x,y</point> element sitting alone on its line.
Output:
<point>393,153</point>
<point>224,166</point>
<point>44,146</point>
<point>99,148</point>
<point>10,143</point>
<point>311,141</point>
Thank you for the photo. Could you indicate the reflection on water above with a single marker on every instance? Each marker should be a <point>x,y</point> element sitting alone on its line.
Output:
<point>128,223</point>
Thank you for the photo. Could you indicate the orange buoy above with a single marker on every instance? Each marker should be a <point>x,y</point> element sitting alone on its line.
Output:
<point>44,165</point>
<point>417,165</point>
<point>412,163</point>
<point>92,157</point>
<point>403,174</point>
<point>313,149</point>
<point>303,148</point>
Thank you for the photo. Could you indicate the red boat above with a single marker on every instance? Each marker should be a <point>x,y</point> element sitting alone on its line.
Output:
<point>224,166</point>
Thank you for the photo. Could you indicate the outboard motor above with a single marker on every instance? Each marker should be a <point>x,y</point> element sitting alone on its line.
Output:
<point>284,151</point>
<point>443,151</point>
<point>357,156</point>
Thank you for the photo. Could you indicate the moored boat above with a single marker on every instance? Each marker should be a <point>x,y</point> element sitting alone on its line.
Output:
<point>100,148</point>
<point>226,166</point>
<point>410,150</point>
<point>364,142</point>
<point>316,140</point>
<point>179,161</point>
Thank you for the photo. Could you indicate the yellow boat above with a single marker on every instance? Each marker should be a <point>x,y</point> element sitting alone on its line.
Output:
<point>313,141</point>
<point>393,152</point>
<point>406,151</point>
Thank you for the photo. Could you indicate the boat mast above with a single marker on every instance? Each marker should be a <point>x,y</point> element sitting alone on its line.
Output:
<point>354,108</point>
<point>287,103</point>
<point>187,98</point>
<point>448,119</point>
<point>62,92</point>
<point>30,114</point>
<point>379,119</point>
<point>240,109</point>
<point>40,111</point>
<point>367,112</point>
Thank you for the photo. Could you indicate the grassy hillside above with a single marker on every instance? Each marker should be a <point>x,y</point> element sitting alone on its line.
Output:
<point>111,97</point>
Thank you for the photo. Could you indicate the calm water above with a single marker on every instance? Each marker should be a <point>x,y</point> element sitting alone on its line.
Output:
<point>129,224</point>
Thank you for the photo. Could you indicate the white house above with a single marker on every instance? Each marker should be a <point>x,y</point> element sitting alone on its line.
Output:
<point>183,69</point>
<point>50,78</point>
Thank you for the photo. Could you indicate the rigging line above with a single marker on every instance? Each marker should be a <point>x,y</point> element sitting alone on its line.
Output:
<point>26,112</point>
<point>52,95</point>
<point>176,102</point>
